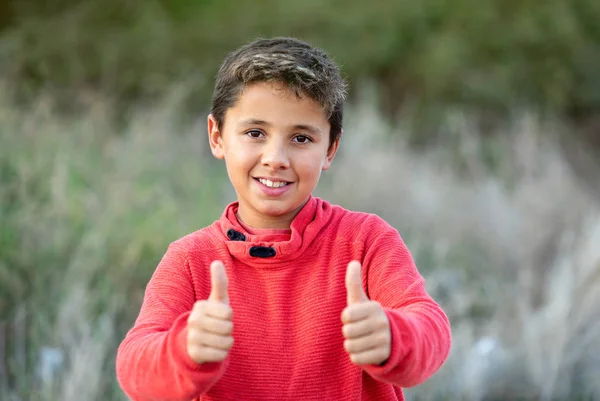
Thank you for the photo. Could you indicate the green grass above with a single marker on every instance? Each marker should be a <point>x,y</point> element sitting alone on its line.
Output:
<point>88,207</point>
<point>86,214</point>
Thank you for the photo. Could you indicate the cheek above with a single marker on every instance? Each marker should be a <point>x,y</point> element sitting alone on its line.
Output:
<point>237,169</point>
<point>239,157</point>
<point>309,167</point>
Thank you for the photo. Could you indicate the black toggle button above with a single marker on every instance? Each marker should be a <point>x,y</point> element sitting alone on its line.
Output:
<point>262,251</point>
<point>235,235</point>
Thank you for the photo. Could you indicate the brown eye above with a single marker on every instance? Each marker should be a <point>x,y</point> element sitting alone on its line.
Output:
<point>302,139</point>
<point>254,134</point>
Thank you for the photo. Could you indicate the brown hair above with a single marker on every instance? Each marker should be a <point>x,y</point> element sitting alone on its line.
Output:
<point>304,69</point>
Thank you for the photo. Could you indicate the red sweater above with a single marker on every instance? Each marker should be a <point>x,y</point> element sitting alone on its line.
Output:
<point>287,328</point>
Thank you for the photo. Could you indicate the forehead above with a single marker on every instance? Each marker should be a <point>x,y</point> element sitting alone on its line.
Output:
<point>276,103</point>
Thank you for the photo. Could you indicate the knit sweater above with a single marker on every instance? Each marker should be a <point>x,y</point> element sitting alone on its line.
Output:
<point>287,300</point>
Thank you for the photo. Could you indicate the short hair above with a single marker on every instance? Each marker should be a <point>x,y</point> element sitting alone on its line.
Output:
<point>304,69</point>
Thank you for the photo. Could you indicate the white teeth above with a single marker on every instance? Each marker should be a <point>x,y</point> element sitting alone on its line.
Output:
<point>271,184</point>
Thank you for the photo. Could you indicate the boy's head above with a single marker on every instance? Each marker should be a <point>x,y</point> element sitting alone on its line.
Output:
<point>276,120</point>
<point>302,68</point>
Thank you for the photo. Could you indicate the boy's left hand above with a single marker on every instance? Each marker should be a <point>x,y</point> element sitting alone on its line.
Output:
<point>366,326</point>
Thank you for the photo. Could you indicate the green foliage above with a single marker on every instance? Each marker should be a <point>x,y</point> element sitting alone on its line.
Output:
<point>85,211</point>
<point>489,54</point>
<point>88,207</point>
<point>86,204</point>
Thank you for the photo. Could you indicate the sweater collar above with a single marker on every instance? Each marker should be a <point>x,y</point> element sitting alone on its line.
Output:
<point>305,227</point>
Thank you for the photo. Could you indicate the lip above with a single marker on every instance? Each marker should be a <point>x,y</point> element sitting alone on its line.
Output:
<point>273,191</point>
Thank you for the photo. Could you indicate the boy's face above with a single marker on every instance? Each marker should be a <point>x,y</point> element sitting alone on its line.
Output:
<point>275,146</point>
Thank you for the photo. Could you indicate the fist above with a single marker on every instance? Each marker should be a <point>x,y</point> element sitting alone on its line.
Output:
<point>366,327</point>
<point>210,325</point>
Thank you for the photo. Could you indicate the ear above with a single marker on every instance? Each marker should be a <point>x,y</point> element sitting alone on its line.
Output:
<point>333,148</point>
<point>214,138</point>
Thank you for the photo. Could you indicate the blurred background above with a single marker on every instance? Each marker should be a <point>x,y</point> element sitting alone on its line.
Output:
<point>473,126</point>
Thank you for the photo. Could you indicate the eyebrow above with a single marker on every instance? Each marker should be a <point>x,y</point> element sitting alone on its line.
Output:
<point>303,127</point>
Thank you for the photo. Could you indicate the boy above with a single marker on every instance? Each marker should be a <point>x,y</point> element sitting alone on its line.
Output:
<point>286,297</point>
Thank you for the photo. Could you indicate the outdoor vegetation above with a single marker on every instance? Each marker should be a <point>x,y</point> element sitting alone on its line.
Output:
<point>472,126</point>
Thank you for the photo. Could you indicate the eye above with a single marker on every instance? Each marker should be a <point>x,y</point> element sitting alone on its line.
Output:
<point>302,139</point>
<point>254,134</point>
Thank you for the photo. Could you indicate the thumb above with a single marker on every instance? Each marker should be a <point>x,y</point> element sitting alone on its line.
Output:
<point>218,281</point>
<point>354,287</point>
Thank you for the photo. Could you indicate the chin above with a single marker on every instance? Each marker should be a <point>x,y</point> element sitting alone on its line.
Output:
<point>277,208</point>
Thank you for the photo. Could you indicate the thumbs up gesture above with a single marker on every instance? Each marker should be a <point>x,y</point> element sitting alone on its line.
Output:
<point>210,325</point>
<point>366,327</point>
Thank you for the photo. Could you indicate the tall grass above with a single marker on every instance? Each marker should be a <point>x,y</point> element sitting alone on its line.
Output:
<point>86,212</point>
<point>507,239</point>
<point>511,249</point>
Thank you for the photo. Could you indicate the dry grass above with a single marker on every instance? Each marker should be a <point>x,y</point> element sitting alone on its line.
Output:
<point>513,256</point>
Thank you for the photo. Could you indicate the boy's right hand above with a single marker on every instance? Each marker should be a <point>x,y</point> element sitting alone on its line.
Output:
<point>210,325</point>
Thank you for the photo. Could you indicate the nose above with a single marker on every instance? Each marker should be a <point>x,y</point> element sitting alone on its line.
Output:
<point>275,156</point>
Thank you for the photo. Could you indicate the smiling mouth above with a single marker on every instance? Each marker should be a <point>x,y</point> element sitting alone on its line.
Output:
<point>272,184</point>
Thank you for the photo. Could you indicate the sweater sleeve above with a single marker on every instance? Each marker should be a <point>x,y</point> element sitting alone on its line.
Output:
<point>421,335</point>
<point>152,361</point>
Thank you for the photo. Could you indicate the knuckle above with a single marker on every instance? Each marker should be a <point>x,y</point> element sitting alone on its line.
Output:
<point>192,322</point>
<point>221,311</point>
<point>195,317</point>
<point>195,353</point>
<point>202,324</point>
<point>219,355</point>
<point>198,307</point>
<point>211,355</point>
<point>364,344</point>
<point>206,326</point>
<point>379,322</point>
<point>347,315</point>
<point>196,325</point>
<point>347,331</point>
<point>194,337</point>
<point>365,327</point>
<point>376,308</point>
<point>218,340</point>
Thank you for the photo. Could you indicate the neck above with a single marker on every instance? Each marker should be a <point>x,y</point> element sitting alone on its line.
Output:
<point>254,219</point>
